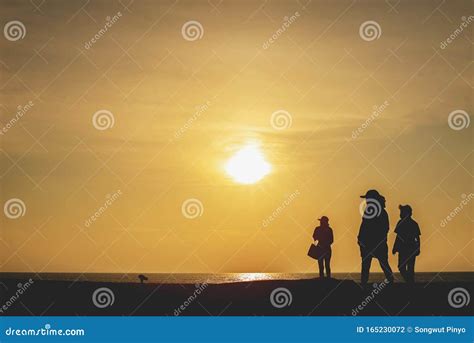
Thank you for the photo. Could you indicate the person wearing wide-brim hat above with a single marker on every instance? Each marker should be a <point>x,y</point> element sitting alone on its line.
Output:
<point>324,235</point>
<point>372,237</point>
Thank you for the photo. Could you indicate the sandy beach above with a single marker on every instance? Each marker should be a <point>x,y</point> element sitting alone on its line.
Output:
<point>314,297</point>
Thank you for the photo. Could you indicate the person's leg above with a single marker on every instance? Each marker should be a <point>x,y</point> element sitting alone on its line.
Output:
<point>327,261</point>
<point>402,265</point>
<point>411,269</point>
<point>364,275</point>
<point>321,267</point>
<point>383,261</point>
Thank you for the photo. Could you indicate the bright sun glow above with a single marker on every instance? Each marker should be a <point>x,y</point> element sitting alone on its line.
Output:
<point>248,165</point>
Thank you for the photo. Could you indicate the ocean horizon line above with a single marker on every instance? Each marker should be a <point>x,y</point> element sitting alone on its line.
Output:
<point>194,278</point>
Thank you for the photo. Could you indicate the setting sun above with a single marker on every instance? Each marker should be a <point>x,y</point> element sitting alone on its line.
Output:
<point>248,165</point>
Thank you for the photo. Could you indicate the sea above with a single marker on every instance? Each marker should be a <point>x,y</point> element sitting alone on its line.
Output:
<point>219,278</point>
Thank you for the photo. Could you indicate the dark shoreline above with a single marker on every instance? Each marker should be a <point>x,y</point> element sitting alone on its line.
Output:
<point>314,297</point>
<point>192,278</point>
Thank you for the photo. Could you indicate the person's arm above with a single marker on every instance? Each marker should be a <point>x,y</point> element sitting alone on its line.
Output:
<point>395,245</point>
<point>331,237</point>
<point>418,239</point>
<point>361,235</point>
<point>315,235</point>
<point>385,222</point>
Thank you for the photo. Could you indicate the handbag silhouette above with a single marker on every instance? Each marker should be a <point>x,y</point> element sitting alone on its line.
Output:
<point>314,251</point>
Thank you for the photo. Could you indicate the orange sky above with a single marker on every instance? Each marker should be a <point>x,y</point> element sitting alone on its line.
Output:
<point>182,105</point>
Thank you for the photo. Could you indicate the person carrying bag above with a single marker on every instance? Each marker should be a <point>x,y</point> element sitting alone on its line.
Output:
<point>322,250</point>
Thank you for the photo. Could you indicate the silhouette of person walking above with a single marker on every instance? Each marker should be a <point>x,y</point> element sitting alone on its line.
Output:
<point>407,243</point>
<point>324,235</point>
<point>372,238</point>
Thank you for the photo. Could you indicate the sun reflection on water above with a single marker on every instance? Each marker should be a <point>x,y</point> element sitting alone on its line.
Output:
<point>254,276</point>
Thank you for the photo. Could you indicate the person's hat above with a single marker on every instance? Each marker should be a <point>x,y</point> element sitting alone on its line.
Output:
<point>371,194</point>
<point>324,219</point>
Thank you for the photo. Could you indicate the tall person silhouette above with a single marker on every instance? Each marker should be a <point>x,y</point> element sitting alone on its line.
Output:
<point>407,243</point>
<point>372,238</point>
